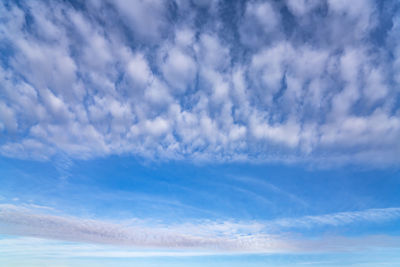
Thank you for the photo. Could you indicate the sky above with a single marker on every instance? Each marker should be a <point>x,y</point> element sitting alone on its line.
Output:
<point>200,132</point>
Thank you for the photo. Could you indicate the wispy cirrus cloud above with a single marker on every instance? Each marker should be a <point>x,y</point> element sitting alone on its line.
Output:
<point>21,221</point>
<point>209,236</point>
<point>340,218</point>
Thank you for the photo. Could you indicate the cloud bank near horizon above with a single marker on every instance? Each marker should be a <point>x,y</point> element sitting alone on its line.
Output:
<point>201,80</point>
<point>276,236</point>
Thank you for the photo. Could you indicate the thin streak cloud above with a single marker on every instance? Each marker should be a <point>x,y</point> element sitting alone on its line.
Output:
<point>220,237</point>
<point>340,218</point>
<point>20,221</point>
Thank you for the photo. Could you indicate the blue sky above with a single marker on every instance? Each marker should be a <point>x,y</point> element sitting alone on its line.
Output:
<point>185,133</point>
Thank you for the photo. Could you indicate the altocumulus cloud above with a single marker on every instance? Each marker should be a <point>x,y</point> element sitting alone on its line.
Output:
<point>202,80</point>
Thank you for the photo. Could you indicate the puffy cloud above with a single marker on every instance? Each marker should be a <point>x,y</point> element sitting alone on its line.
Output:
<point>212,53</point>
<point>147,19</point>
<point>302,7</point>
<point>260,25</point>
<point>179,69</point>
<point>268,68</point>
<point>287,133</point>
<point>138,72</point>
<point>8,120</point>
<point>111,78</point>
<point>359,16</point>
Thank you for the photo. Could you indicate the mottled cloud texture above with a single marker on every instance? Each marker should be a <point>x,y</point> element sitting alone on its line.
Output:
<point>201,80</point>
<point>214,237</point>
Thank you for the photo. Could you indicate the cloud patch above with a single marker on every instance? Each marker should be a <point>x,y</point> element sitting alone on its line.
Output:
<point>105,78</point>
<point>206,236</point>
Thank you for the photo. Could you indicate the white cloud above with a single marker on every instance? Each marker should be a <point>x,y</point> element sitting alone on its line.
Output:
<point>340,218</point>
<point>80,82</point>
<point>179,69</point>
<point>358,16</point>
<point>375,88</point>
<point>212,53</point>
<point>139,73</point>
<point>268,68</point>
<point>20,221</point>
<point>287,133</point>
<point>7,119</point>
<point>197,237</point>
<point>302,7</point>
<point>146,18</point>
<point>354,131</point>
<point>260,24</point>
<point>184,37</point>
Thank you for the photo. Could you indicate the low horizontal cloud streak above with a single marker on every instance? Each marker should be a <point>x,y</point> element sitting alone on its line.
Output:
<point>340,218</point>
<point>19,221</point>
<point>216,237</point>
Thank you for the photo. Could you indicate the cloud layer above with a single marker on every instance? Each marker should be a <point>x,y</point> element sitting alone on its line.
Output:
<point>214,237</point>
<point>23,221</point>
<point>201,80</point>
